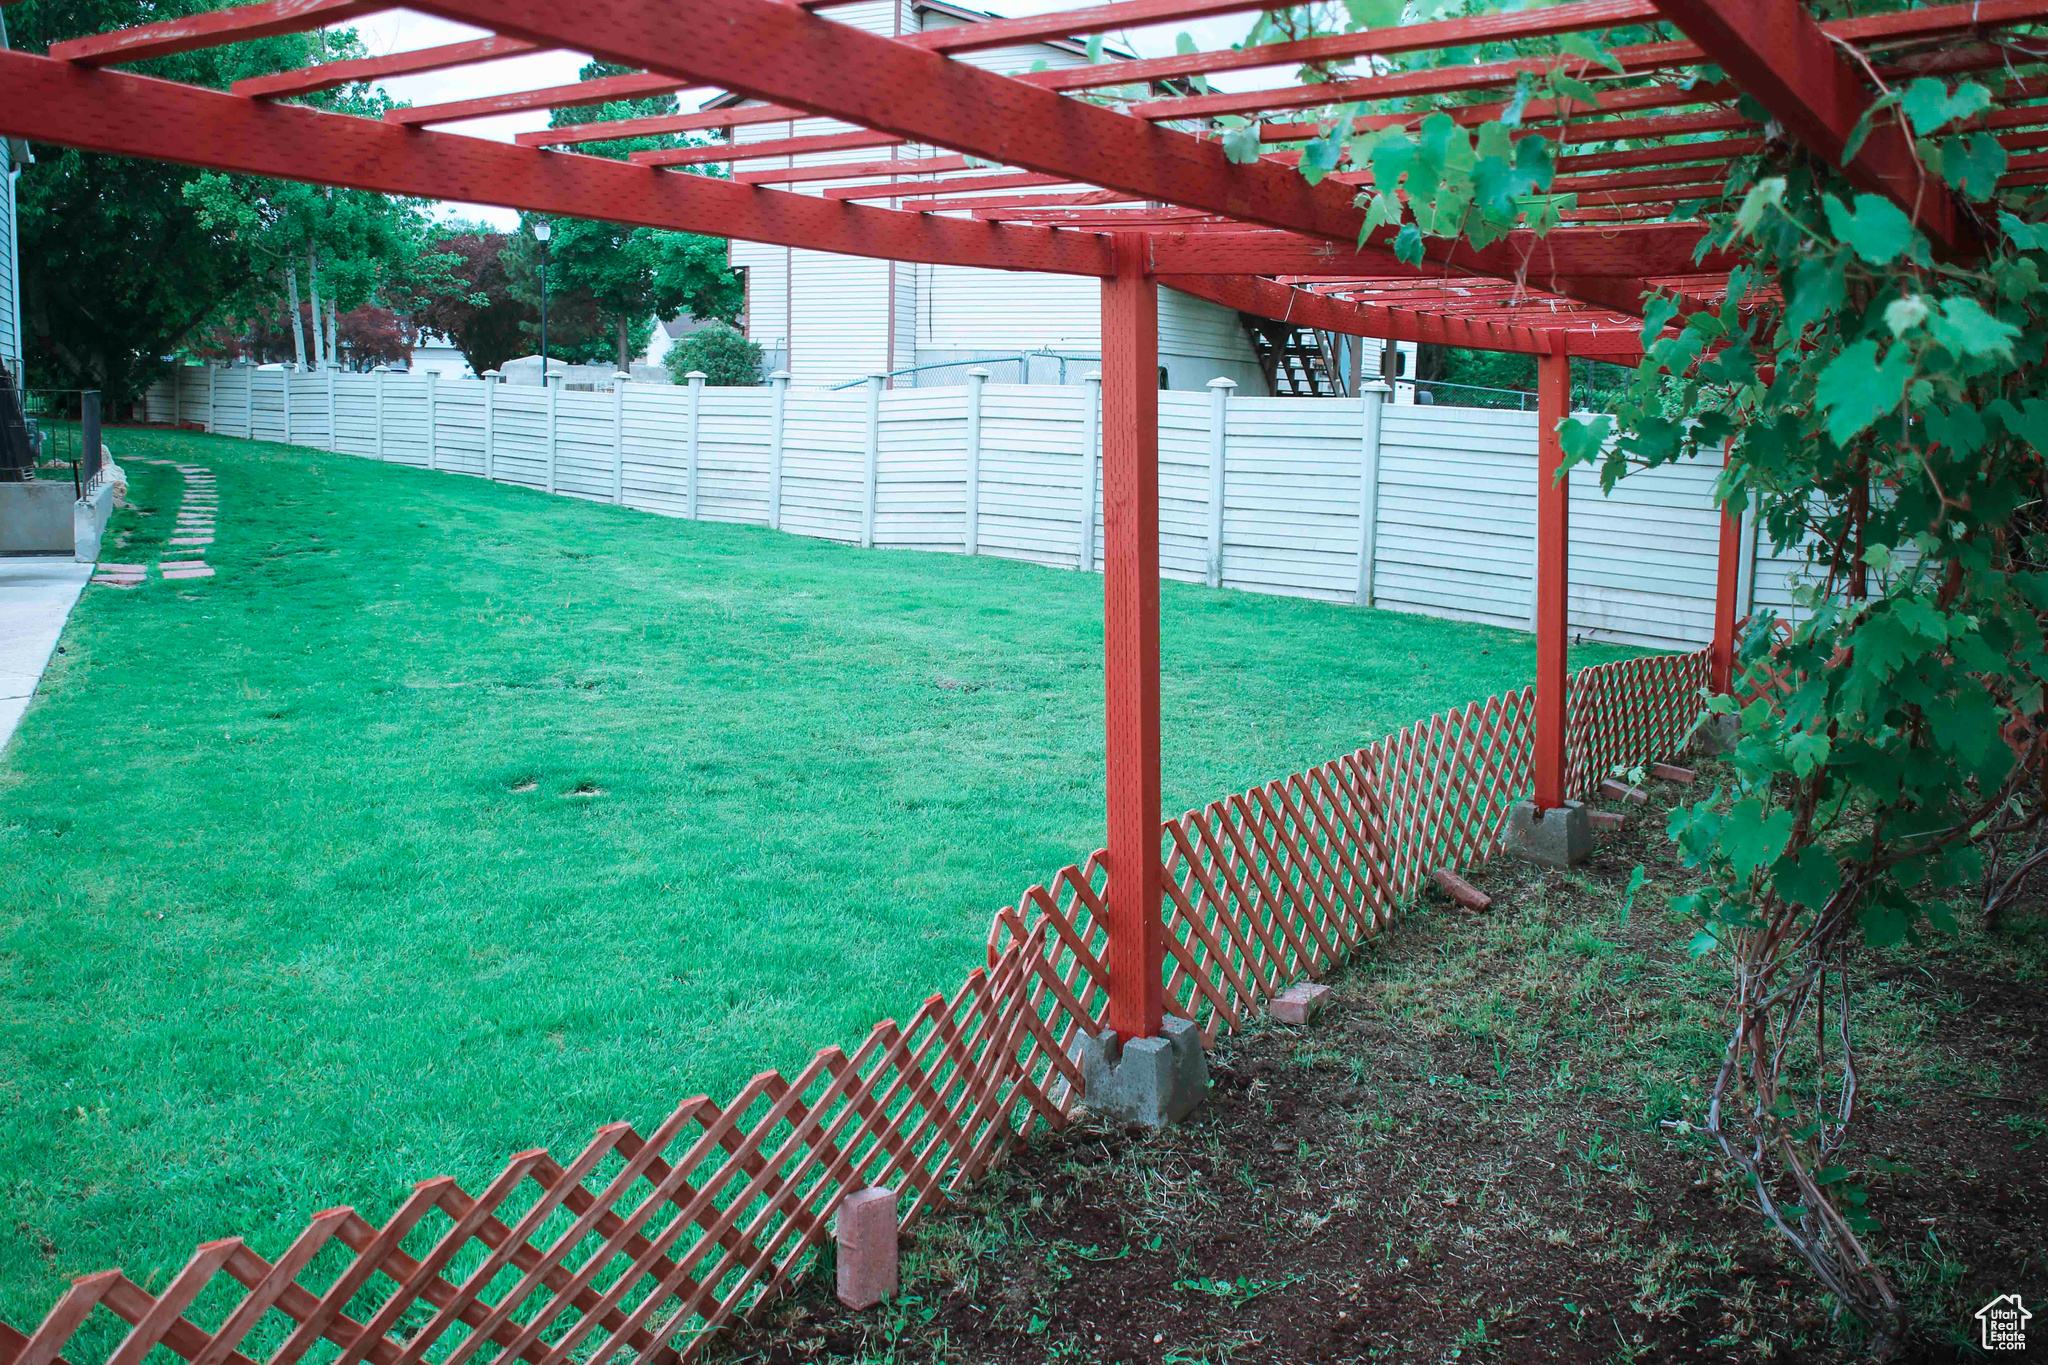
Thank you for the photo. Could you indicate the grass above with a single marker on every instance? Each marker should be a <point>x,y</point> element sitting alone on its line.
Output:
<point>451,819</point>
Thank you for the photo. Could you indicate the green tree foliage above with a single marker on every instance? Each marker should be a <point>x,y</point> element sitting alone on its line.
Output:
<point>117,264</point>
<point>608,282</point>
<point>721,351</point>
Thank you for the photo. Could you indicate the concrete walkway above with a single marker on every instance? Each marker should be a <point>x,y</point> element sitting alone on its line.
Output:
<point>36,595</point>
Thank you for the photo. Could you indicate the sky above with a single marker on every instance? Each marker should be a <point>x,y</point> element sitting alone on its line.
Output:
<point>402,31</point>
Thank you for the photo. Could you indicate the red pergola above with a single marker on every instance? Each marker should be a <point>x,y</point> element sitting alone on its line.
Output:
<point>1113,170</point>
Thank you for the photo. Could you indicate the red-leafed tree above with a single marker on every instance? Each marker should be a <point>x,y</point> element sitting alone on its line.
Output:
<point>483,318</point>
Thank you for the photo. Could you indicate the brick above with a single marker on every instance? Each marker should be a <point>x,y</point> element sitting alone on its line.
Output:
<point>117,582</point>
<point>1460,890</point>
<point>1298,1004</point>
<point>205,540</point>
<point>182,564</point>
<point>1616,790</point>
<point>866,1234</point>
<point>200,572</point>
<point>1606,821</point>
<point>1671,772</point>
<point>121,568</point>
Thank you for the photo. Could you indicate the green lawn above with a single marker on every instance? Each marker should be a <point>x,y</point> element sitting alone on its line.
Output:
<point>451,819</point>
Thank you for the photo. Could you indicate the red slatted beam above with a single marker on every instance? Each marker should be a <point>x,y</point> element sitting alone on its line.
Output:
<point>1413,84</point>
<point>953,185</point>
<point>1485,28</point>
<point>1270,299</point>
<point>1075,23</point>
<point>328,75</point>
<point>773,51</point>
<point>1130,640</point>
<point>104,111</point>
<point>662,125</point>
<point>1784,60</point>
<point>1939,21</point>
<point>1553,512</point>
<point>1719,149</point>
<point>851,170</point>
<point>1593,253</point>
<point>211,28</point>
<point>633,85</point>
<point>735,151</point>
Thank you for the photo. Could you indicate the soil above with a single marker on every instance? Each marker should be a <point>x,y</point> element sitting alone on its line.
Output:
<point>1479,1151</point>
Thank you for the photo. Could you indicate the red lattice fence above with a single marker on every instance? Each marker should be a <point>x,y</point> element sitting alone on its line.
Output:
<point>641,1246</point>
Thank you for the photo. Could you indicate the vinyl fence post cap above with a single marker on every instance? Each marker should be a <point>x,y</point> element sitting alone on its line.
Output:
<point>695,375</point>
<point>620,374</point>
<point>1222,382</point>
<point>1092,377</point>
<point>779,377</point>
<point>977,373</point>
<point>1378,386</point>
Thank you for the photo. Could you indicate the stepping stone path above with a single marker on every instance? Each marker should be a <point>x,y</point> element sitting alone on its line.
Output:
<point>191,533</point>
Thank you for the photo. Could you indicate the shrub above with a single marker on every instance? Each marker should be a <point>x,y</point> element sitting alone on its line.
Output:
<point>721,351</point>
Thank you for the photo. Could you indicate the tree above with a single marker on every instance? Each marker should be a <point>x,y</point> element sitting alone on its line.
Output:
<point>487,322</point>
<point>607,282</point>
<point>117,265</point>
<point>718,349</point>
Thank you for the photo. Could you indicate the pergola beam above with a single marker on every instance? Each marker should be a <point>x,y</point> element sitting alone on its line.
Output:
<point>1271,299</point>
<point>127,115</point>
<point>308,80</point>
<point>774,51</point>
<point>632,85</point>
<point>1623,253</point>
<point>211,28</point>
<point>1787,62</point>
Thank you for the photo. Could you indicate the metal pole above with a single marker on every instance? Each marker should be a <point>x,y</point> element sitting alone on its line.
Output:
<point>778,397</point>
<point>976,378</point>
<point>872,468</point>
<point>1091,466</point>
<point>1553,529</point>
<point>1219,430</point>
<point>690,453</point>
<point>1374,415</point>
<point>1130,622</point>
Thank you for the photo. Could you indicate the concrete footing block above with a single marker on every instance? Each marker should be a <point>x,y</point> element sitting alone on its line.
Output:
<point>1147,1081</point>
<point>1559,837</point>
<point>865,1233</point>
<point>1298,1004</point>
<point>1460,890</point>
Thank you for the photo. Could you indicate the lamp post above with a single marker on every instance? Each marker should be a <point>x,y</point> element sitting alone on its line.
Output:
<point>542,231</point>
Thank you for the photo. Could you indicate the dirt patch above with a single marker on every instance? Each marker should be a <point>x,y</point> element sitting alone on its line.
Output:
<point>1475,1153</point>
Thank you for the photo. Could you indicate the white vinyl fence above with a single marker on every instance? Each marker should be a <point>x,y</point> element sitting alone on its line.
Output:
<point>1422,509</point>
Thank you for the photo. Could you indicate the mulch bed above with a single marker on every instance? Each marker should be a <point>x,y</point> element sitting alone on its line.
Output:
<point>1469,1156</point>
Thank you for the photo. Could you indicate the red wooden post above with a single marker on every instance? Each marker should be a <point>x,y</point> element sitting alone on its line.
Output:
<point>1553,505</point>
<point>1130,631</point>
<point>1726,570</point>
